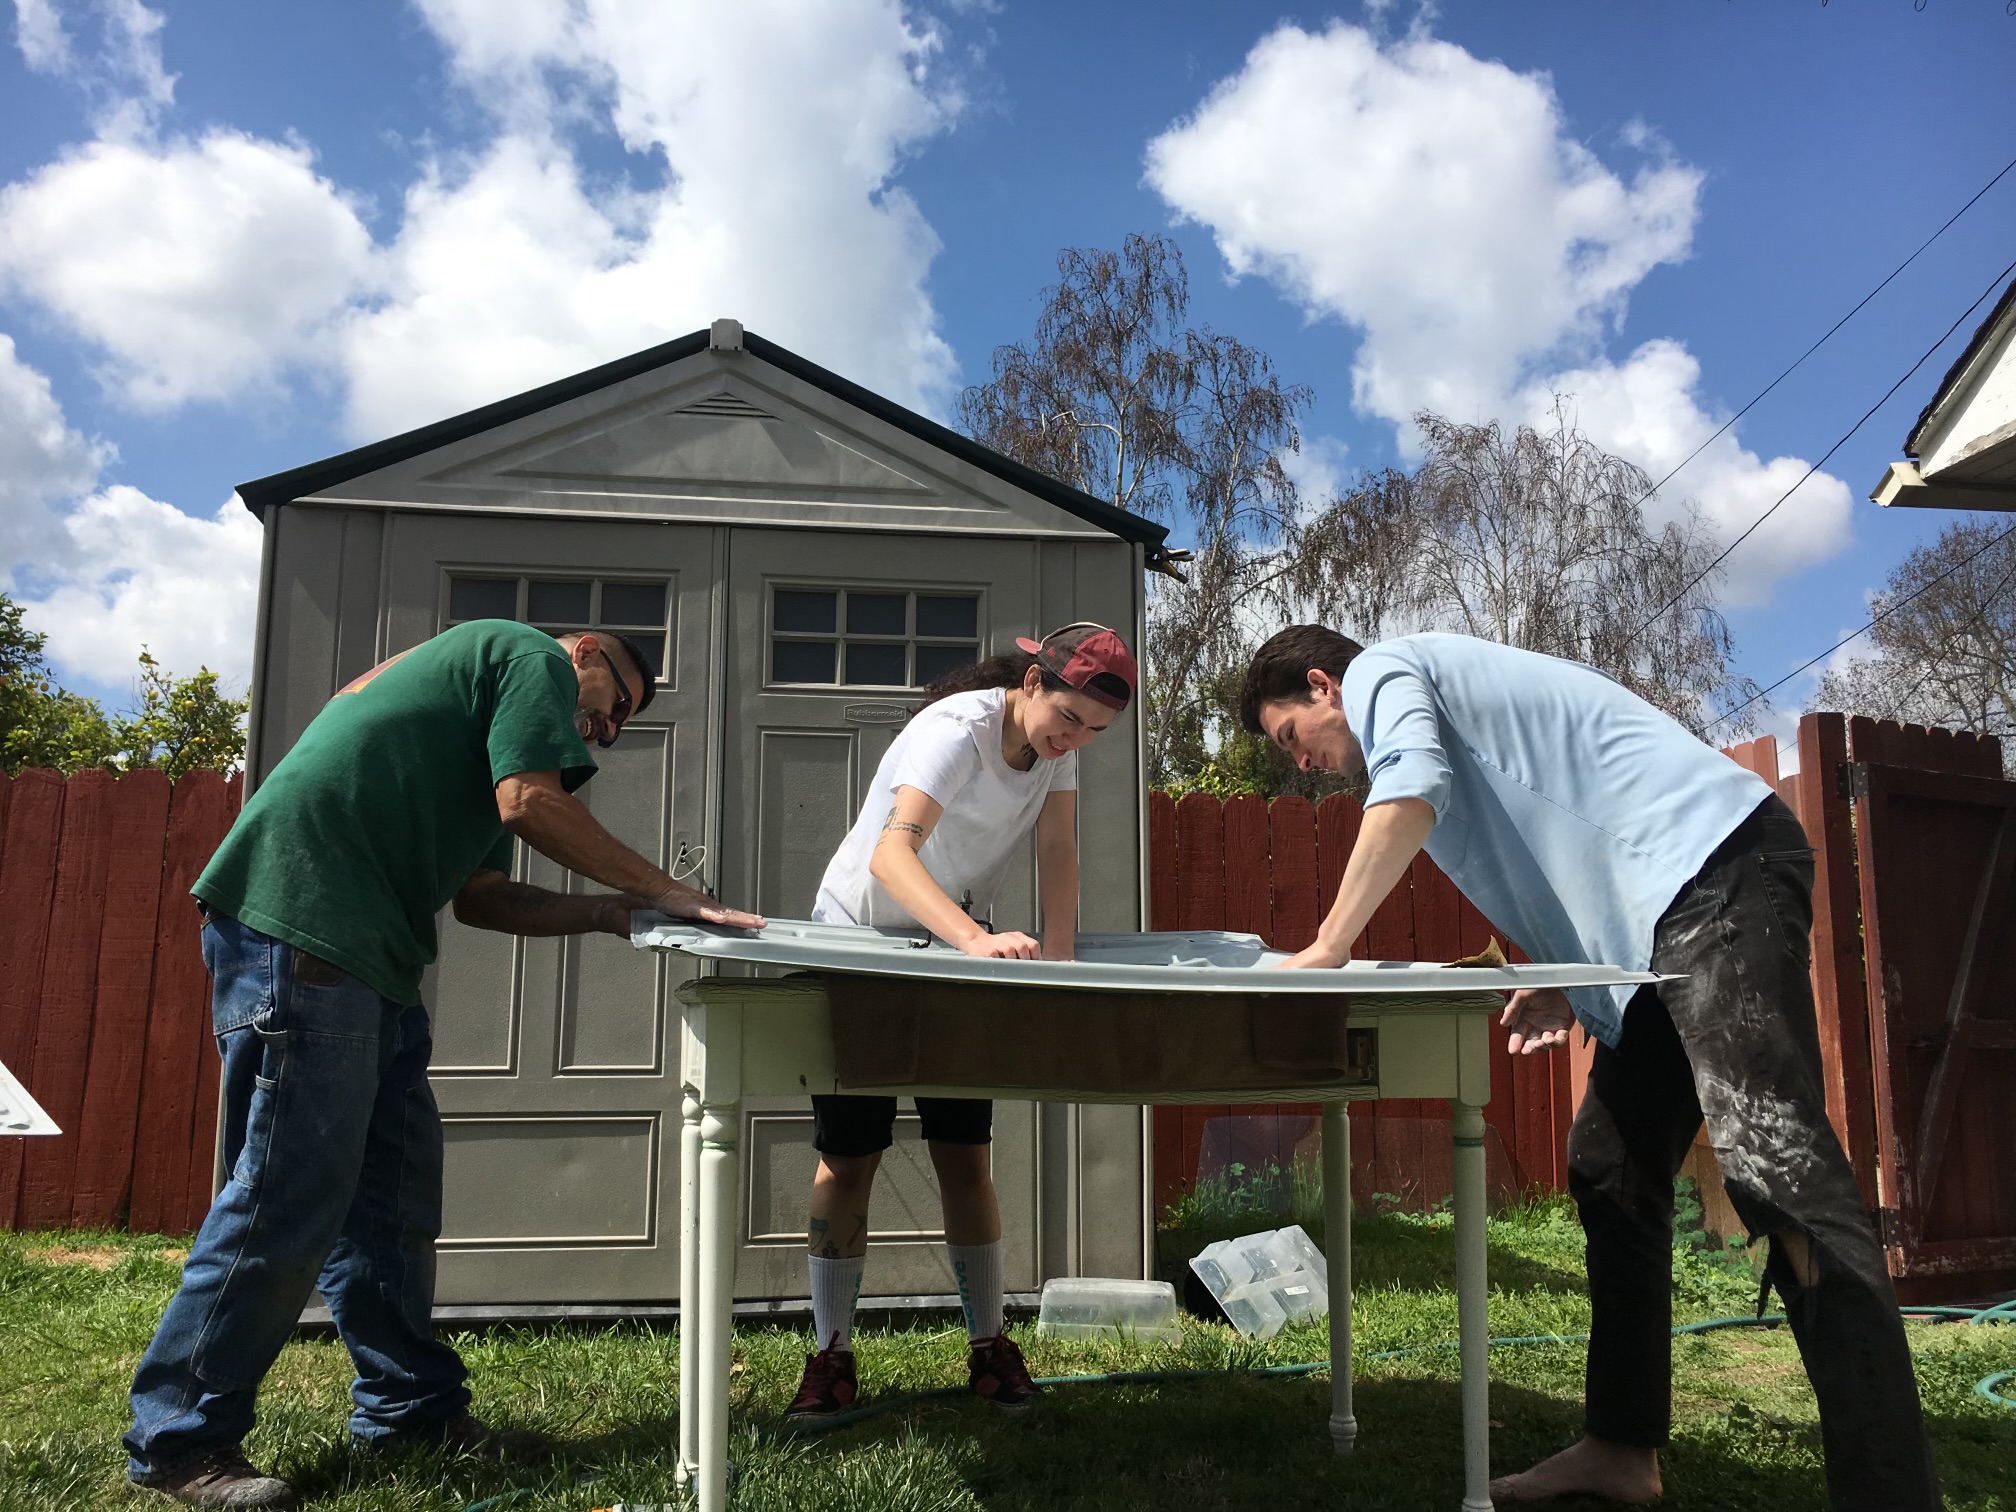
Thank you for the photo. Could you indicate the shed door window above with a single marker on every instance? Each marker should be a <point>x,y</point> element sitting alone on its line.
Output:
<point>637,607</point>
<point>870,637</point>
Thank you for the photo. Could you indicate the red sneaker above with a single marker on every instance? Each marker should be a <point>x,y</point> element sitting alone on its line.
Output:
<point>829,1386</point>
<point>996,1372</point>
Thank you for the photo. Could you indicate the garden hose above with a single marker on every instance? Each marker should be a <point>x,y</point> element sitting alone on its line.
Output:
<point>2002,1312</point>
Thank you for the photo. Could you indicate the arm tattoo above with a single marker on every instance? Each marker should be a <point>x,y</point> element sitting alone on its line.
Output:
<point>894,826</point>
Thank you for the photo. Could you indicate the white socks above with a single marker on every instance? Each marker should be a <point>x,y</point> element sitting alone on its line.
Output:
<point>836,1286</point>
<point>976,1271</point>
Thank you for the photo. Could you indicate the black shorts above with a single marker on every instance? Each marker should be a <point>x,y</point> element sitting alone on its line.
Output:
<point>843,1125</point>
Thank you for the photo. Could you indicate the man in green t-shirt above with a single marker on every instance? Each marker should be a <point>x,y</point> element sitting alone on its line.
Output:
<point>402,797</point>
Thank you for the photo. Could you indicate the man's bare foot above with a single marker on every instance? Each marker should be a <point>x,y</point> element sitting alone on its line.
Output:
<point>1592,1467</point>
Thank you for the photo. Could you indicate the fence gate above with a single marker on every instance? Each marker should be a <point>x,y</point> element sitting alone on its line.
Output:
<point>1937,851</point>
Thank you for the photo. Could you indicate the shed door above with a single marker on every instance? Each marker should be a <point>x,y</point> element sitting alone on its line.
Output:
<point>1938,853</point>
<point>832,636</point>
<point>555,1061</point>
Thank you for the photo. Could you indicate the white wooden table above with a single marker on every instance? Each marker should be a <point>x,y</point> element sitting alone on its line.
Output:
<point>747,1037</point>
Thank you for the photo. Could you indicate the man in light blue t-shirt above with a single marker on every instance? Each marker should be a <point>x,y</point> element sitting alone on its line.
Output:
<point>1589,826</point>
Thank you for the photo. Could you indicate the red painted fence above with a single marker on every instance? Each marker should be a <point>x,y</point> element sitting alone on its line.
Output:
<point>104,1005</point>
<point>1271,869</point>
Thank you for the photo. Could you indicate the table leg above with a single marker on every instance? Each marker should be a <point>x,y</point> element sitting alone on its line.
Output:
<point>719,1126</point>
<point>689,1285</point>
<point>1337,1234</point>
<point>1473,1326</point>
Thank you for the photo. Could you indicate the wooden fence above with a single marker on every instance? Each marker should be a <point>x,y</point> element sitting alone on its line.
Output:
<point>1272,870</point>
<point>104,1009</point>
<point>104,1004</point>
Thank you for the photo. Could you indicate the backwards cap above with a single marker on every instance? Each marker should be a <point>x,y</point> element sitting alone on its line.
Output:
<point>1080,652</point>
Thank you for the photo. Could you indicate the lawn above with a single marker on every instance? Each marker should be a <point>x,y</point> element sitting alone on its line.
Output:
<point>75,1311</point>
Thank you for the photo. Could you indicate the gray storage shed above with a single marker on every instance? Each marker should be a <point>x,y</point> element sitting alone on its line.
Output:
<point>800,554</point>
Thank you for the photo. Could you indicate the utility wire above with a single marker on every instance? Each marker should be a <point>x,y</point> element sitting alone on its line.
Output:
<point>1875,620</point>
<point>1830,332</point>
<point>1846,436</point>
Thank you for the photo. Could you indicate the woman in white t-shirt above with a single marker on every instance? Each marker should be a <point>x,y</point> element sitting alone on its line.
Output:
<point>989,756</point>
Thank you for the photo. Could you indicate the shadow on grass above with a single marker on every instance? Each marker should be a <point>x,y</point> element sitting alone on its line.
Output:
<point>1251,1442</point>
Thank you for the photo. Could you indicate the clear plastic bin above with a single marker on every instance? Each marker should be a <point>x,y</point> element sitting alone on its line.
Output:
<point>1264,1281</point>
<point>1093,1307</point>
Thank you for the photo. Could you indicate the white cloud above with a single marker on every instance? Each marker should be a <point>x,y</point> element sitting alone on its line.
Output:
<point>1317,471</point>
<point>779,129</point>
<point>42,460</point>
<point>1437,203</point>
<point>1648,408</point>
<point>38,32</point>
<point>143,572</point>
<point>102,570</point>
<point>764,138</point>
<point>1429,197</point>
<point>198,268</point>
<point>133,47</point>
<point>122,73</point>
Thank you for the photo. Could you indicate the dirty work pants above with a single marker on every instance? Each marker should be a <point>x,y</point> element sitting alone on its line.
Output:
<point>1734,1041</point>
<point>333,1142</point>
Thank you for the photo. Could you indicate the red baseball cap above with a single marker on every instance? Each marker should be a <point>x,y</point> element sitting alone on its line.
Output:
<point>1080,652</point>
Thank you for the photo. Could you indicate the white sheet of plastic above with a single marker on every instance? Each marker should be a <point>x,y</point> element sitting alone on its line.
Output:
<point>1204,961</point>
<point>20,1113</point>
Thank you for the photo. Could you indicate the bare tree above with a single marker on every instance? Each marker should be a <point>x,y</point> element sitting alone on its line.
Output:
<point>1534,539</point>
<point>1944,638</point>
<point>1117,395</point>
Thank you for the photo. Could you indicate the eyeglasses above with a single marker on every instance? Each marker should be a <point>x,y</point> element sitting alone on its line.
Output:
<point>621,714</point>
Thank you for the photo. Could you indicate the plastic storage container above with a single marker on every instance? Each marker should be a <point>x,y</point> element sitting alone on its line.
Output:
<point>1092,1307</point>
<point>1264,1281</point>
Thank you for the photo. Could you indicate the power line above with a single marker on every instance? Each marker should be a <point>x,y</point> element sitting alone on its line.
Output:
<point>1724,426</point>
<point>1874,621</point>
<point>1846,436</point>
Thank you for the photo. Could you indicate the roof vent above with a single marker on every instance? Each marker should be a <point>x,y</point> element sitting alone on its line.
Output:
<point>726,405</point>
<point>725,336</point>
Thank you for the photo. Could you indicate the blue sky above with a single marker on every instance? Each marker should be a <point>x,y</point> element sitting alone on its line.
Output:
<point>237,237</point>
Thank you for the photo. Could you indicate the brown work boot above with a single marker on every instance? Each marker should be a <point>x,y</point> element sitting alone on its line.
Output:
<point>995,1371</point>
<point>223,1479</point>
<point>828,1388</point>
<point>463,1434</point>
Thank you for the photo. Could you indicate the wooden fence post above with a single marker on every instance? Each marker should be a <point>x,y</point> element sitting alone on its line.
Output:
<point>1299,902</point>
<point>178,1016</point>
<point>69,989</point>
<point>1249,902</point>
<point>1165,907</point>
<point>1840,992</point>
<point>138,833</point>
<point>27,882</point>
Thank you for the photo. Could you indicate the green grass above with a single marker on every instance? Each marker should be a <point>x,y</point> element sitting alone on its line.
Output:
<point>75,1311</point>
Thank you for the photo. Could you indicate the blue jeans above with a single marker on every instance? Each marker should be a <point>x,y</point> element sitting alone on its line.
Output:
<point>334,1147</point>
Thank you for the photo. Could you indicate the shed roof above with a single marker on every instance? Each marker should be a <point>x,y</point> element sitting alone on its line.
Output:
<point>315,477</point>
<point>2004,314</point>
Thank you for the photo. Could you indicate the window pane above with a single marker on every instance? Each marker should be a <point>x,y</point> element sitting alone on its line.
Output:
<point>801,661</point>
<point>808,613</point>
<point>633,603</point>
<point>482,598</point>
<point>653,647</point>
<point>948,616</point>
<point>557,603</point>
<point>877,664</point>
<point>933,662</point>
<point>875,614</point>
